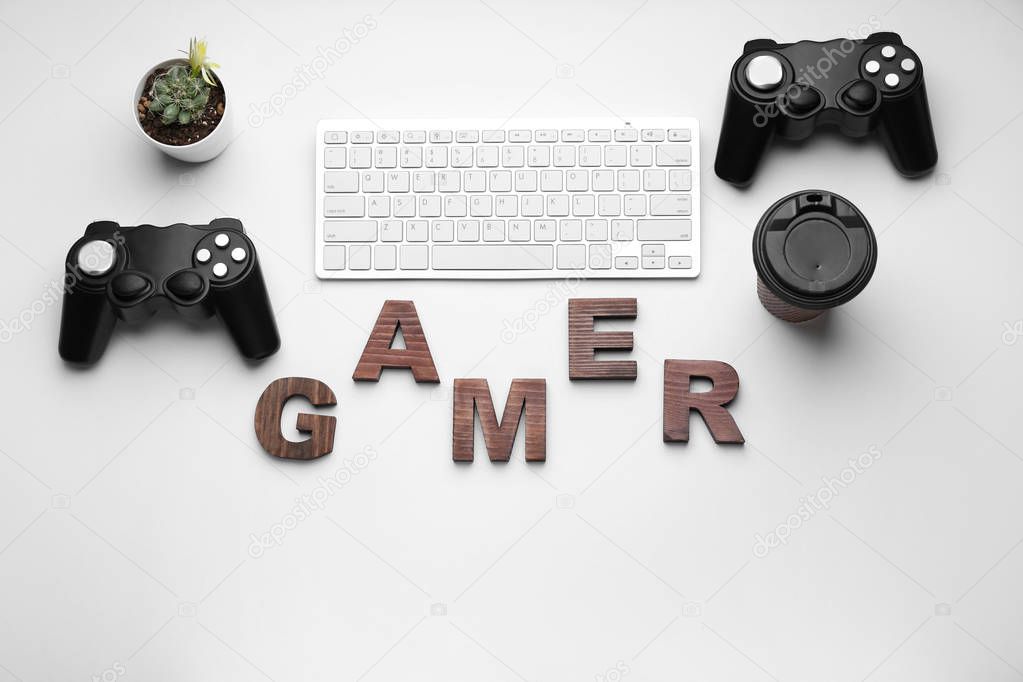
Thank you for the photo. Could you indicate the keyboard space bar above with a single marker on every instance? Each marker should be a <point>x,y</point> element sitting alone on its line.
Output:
<point>493,257</point>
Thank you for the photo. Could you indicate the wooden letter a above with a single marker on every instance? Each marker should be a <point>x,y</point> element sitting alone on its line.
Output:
<point>378,352</point>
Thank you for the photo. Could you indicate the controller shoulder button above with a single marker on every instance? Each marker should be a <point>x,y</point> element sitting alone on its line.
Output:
<point>129,286</point>
<point>860,96</point>
<point>187,285</point>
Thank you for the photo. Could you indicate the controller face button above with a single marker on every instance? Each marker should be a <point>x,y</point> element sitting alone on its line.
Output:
<point>238,254</point>
<point>892,80</point>
<point>128,286</point>
<point>888,52</point>
<point>219,270</point>
<point>764,72</point>
<point>860,96</point>
<point>222,240</point>
<point>908,65</point>
<point>203,255</point>
<point>872,67</point>
<point>186,285</point>
<point>97,257</point>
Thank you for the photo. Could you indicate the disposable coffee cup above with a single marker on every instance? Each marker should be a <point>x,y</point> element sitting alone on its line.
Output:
<point>813,251</point>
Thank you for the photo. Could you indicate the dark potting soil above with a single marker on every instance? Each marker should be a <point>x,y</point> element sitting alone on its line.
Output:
<point>177,134</point>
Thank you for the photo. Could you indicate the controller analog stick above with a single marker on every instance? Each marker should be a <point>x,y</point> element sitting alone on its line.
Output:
<point>96,258</point>
<point>764,72</point>
<point>860,96</point>
<point>803,102</point>
<point>186,285</point>
<point>129,286</point>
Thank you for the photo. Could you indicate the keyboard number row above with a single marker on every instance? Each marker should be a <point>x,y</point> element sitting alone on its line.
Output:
<point>604,180</point>
<point>506,205</point>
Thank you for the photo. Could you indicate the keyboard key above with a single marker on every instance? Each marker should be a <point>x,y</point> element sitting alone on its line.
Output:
<point>481,206</point>
<point>544,230</point>
<point>571,230</point>
<point>493,230</point>
<point>518,230</point>
<point>600,256</point>
<point>398,181</point>
<point>359,257</point>
<point>417,231</point>
<point>519,136</point>
<point>622,230</point>
<point>583,205</point>
<point>493,257</point>
<point>443,230</point>
<point>493,136</point>
<point>609,205</point>
<point>413,257</point>
<point>461,157</point>
<point>626,135</point>
<point>466,136</point>
<point>602,180</point>
<point>564,156</point>
<point>456,206</point>
<point>340,181</point>
<point>589,155</point>
<point>411,157</point>
<point>424,181</point>
<point>628,180</point>
<point>468,230</point>
<point>500,181</point>
<point>361,157</point>
<point>362,137</point>
<point>537,156</point>
<point>391,230</point>
<point>571,256</point>
<point>551,181</point>
<point>680,262</point>
<point>335,137</point>
<point>506,206</point>
<point>436,156</point>
<point>674,155</point>
<point>414,136</point>
<point>653,180</point>
<point>344,207</point>
<point>635,204</point>
<point>384,256</point>
<point>546,135</point>
<point>680,180</point>
<point>429,206</point>
<point>513,156</point>
<point>664,230</point>
<point>557,204</point>
<point>404,207</point>
<point>373,181</point>
<point>487,155</point>
<point>599,135</point>
<point>652,135</point>
<point>653,262</point>
<point>615,155</point>
<point>449,181</point>
<point>679,135</point>
<point>577,180</point>
<point>440,136</point>
<point>573,135</point>
<point>641,155</point>
<point>532,205</point>
<point>378,207</point>
<point>525,181</point>
<point>671,204</point>
<point>475,181</point>
<point>596,230</point>
<point>388,136</point>
<point>652,250</point>
<point>334,257</point>
<point>626,262</point>
<point>335,157</point>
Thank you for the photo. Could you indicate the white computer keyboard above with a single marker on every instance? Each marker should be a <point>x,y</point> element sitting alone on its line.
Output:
<point>518,199</point>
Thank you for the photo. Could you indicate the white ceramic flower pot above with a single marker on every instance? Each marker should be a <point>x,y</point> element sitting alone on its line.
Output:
<point>205,149</point>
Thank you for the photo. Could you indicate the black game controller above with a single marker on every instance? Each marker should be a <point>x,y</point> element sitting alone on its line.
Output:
<point>857,85</point>
<point>132,272</point>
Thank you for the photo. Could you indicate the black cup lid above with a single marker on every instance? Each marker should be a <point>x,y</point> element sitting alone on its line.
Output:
<point>814,249</point>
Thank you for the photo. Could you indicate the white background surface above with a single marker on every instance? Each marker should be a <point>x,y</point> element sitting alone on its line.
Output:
<point>129,492</point>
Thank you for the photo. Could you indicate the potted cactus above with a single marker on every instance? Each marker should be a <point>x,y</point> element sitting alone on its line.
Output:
<point>180,105</point>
